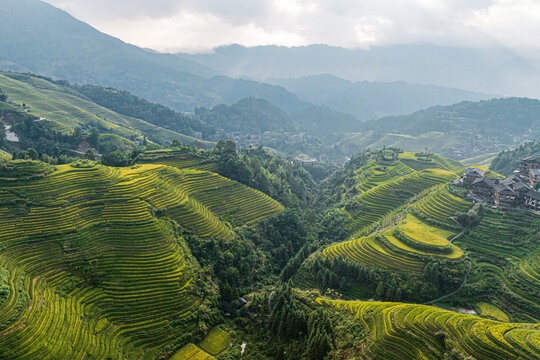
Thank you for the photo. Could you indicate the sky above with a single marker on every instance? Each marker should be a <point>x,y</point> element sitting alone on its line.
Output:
<point>201,25</point>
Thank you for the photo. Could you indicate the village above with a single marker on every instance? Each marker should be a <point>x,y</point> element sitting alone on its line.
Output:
<point>520,190</point>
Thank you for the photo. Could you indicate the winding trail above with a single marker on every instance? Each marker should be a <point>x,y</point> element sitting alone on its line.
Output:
<point>455,291</point>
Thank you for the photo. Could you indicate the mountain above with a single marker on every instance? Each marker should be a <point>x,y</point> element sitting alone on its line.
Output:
<point>110,277</point>
<point>492,69</point>
<point>249,115</point>
<point>39,38</point>
<point>60,109</point>
<point>326,123</point>
<point>370,100</point>
<point>167,259</point>
<point>405,217</point>
<point>459,131</point>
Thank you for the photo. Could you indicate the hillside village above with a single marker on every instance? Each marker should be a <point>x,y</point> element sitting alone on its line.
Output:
<point>520,190</point>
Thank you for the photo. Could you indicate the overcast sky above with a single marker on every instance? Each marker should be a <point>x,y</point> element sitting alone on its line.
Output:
<point>200,25</point>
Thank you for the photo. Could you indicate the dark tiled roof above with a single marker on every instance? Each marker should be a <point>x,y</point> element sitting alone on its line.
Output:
<point>535,172</point>
<point>475,171</point>
<point>501,188</point>
<point>520,187</point>
<point>533,194</point>
<point>483,181</point>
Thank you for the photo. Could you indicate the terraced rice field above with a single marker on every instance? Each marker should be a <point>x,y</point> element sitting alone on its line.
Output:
<point>419,162</point>
<point>176,159</point>
<point>216,341</point>
<point>439,205</point>
<point>192,352</point>
<point>373,174</point>
<point>387,251</point>
<point>407,331</point>
<point>379,201</point>
<point>507,256</point>
<point>92,273</point>
<point>425,239</point>
<point>491,311</point>
<point>375,251</point>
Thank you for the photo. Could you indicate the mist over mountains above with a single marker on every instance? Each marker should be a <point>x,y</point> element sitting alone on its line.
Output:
<point>42,39</point>
<point>492,70</point>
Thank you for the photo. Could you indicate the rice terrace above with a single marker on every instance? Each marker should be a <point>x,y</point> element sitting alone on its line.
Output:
<point>302,180</point>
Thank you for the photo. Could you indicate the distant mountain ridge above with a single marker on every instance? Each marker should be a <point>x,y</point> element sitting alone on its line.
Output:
<point>370,100</point>
<point>458,131</point>
<point>493,70</point>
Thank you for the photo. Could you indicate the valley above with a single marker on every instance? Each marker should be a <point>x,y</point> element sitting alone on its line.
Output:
<point>168,194</point>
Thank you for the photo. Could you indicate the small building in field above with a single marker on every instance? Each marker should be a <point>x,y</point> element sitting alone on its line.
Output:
<point>532,199</point>
<point>503,195</point>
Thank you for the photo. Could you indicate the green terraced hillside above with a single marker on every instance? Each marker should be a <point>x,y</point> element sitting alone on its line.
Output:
<point>178,159</point>
<point>379,201</point>
<point>390,179</point>
<point>505,247</point>
<point>439,205</point>
<point>404,212</point>
<point>65,109</point>
<point>406,331</point>
<point>407,251</point>
<point>420,161</point>
<point>90,267</point>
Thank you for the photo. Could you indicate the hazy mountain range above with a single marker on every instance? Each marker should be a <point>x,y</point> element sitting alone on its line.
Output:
<point>39,38</point>
<point>493,70</point>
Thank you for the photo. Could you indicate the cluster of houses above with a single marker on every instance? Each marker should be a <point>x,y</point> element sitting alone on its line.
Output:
<point>519,189</point>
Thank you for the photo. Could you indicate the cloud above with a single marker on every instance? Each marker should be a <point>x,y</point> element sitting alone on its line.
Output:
<point>195,25</point>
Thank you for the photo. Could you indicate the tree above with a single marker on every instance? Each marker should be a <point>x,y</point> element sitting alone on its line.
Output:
<point>3,96</point>
<point>93,137</point>
<point>32,154</point>
<point>117,158</point>
<point>176,143</point>
<point>77,136</point>
<point>90,155</point>
<point>226,292</point>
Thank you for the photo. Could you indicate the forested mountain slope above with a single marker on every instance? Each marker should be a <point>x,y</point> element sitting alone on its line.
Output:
<point>251,115</point>
<point>458,131</point>
<point>371,100</point>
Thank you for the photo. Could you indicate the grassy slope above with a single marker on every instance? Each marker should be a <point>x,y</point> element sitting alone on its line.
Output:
<point>406,331</point>
<point>385,186</point>
<point>480,160</point>
<point>505,249</point>
<point>504,283</point>
<point>92,272</point>
<point>68,109</point>
<point>390,190</point>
